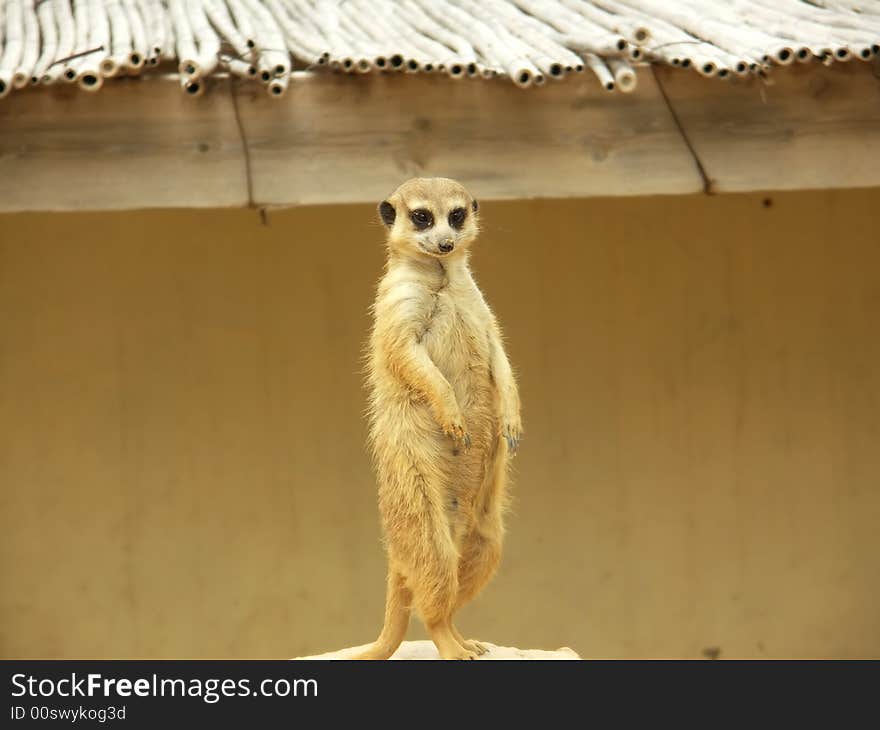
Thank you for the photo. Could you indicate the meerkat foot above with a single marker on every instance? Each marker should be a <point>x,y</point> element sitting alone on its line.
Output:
<point>448,645</point>
<point>475,646</point>
<point>481,647</point>
<point>454,650</point>
<point>461,654</point>
<point>471,645</point>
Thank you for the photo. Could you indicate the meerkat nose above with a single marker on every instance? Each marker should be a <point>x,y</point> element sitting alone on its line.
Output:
<point>446,245</point>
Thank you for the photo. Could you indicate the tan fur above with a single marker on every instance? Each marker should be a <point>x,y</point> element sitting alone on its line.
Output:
<point>444,417</point>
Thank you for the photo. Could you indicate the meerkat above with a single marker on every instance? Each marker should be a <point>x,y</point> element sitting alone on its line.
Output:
<point>444,414</point>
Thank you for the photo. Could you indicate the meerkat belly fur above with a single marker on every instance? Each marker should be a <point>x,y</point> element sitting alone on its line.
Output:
<point>444,416</point>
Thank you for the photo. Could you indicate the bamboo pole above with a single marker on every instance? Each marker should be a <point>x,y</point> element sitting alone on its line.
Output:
<point>81,40</point>
<point>13,45</point>
<point>624,75</point>
<point>120,39</point>
<point>242,21</point>
<point>603,73</point>
<point>30,46</point>
<point>49,39</point>
<point>207,40</point>
<point>88,74</point>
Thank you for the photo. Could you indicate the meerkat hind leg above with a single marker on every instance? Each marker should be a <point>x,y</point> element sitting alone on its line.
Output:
<point>397,613</point>
<point>479,560</point>
<point>434,597</point>
<point>435,591</point>
<point>481,553</point>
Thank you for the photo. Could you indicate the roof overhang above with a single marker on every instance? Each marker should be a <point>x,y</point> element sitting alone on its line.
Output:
<point>335,138</point>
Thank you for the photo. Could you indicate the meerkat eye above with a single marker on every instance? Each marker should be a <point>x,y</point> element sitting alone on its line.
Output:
<point>456,217</point>
<point>422,218</point>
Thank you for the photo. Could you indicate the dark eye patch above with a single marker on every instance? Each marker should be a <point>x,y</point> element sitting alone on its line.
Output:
<point>422,218</point>
<point>456,217</point>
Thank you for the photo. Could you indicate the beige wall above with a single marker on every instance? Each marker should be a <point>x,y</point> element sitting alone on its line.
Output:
<point>182,469</point>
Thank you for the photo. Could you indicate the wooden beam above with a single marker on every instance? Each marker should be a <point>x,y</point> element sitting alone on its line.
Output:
<point>138,143</point>
<point>142,143</point>
<point>333,139</point>
<point>353,139</point>
<point>807,127</point>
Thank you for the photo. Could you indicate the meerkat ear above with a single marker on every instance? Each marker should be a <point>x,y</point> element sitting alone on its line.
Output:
<point>387,213</point>
<point>475,206</point>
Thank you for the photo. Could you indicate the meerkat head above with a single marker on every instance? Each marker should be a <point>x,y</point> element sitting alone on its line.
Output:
<point>430,216</point>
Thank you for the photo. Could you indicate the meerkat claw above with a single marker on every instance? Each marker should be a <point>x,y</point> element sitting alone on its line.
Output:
<point>512,437</point>
<point>459,436</point>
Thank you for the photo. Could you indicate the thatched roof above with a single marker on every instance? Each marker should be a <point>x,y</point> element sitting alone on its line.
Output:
<point>529,41</point>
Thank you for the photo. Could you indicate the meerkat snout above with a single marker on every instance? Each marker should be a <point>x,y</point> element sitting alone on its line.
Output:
<point>446,245</point>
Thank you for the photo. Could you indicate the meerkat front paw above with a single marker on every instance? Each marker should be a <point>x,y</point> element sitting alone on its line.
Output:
<point>456,430</point>
<point>452,423</point>
<point>511,431</point>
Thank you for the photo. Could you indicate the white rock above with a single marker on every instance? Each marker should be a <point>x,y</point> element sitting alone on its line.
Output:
<point>426,650</point>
